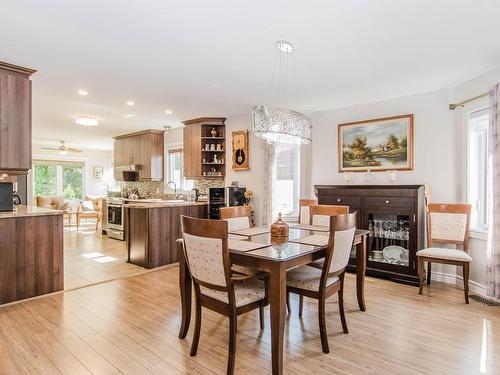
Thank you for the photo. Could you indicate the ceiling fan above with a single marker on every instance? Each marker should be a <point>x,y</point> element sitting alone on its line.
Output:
<point>62,149</point>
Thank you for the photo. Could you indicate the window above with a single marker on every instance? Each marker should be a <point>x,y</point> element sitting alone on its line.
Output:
<point>175,171</point>
<point>286,179</point>
<point>478,166</point>
<point>56,178</point>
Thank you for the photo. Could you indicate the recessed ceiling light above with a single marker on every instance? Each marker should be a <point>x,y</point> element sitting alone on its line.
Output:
<point>83,92</point>
<point>86,121</point>
<point>284,46</point>
<point>130,102</point>
<point>168,112</point>
<point>130,115</point>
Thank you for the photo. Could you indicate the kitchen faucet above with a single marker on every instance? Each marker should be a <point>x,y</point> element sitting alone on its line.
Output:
<point>175,188</point>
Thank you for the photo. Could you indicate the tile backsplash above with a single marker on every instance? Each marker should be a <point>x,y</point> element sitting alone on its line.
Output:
<point>204,184</point>
<point>152,189</point>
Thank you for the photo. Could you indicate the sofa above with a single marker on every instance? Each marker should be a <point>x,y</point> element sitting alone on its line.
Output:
<point>91,207</point>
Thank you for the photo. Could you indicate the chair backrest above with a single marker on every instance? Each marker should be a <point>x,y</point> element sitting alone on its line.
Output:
<point>237,217</point>
<point>304,211</point>
<point>206,251</point>
<point>448,223</point>
<point>320,213</point>
<point>342,228</point>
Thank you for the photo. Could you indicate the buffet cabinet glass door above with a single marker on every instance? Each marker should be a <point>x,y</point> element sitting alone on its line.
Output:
<point>391,239</point>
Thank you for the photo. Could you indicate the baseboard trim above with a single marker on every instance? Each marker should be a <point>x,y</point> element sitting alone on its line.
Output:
<point>458,281</point>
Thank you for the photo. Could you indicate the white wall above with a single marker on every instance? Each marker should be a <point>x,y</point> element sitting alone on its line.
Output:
<point>440,155</point>
<point>91,158</point>
<point>252,179</point>
<point>434,142</point>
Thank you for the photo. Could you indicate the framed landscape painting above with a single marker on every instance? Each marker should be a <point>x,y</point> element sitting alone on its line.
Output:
<point>379,144</point>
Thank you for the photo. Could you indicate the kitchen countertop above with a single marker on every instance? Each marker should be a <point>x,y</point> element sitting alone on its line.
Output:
<point>26,211</point>
<point>146,205</point>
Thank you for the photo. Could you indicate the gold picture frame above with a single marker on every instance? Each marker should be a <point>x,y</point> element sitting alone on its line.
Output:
<point>379,144</point>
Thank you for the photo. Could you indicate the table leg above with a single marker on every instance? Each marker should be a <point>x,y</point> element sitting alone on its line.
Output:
<point>185,289</point>
<point>360,273</point>
<point>277,296</point>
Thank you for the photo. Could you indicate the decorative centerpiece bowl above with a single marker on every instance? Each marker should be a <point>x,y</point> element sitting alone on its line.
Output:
<point>279,231</point>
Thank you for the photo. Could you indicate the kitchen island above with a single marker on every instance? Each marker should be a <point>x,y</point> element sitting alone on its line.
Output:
<point>151,230</point>
<point>31,253</point>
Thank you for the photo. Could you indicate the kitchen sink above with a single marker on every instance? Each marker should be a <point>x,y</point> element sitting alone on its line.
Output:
<point>174,201</point>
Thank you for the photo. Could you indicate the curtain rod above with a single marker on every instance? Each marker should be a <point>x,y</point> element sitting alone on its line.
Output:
<point>454,106</point>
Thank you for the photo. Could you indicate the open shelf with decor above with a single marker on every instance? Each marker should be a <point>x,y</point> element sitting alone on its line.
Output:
<point>204,147</point>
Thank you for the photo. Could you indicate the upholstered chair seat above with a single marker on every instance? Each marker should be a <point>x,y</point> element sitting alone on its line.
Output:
<point>441,253</point>
<point>216,286</point>
<point>446,224</point>
<point>321,283</point>
<point>308,278</point>
<point>244,293</point>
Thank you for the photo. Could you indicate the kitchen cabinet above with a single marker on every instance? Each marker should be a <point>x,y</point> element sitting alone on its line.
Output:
<point>394,215</point>
<point>146,149</point>
<point>15,119</point>
<point>204,143</point>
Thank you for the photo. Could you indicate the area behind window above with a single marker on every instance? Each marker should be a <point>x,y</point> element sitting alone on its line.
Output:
<point>58,179</point>
<point>478,166</point>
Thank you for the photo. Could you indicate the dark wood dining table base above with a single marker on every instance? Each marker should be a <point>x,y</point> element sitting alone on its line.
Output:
<point>277,293</point>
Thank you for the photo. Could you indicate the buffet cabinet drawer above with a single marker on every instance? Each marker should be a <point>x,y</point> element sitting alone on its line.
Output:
<point>389,202</point>
<point>341,200</point>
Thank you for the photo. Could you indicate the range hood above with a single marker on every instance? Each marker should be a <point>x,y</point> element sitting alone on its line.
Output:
<point>120,169</point>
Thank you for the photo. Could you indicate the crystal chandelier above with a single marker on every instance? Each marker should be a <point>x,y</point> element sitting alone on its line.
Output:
<point>278,124</point>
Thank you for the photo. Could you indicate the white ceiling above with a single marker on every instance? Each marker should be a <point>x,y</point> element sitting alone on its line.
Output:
<point>216,57</point>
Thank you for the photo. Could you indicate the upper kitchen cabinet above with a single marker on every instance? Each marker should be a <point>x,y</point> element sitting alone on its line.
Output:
<point>15,119</point>
<point>204,147</point>
<point>144,151</point>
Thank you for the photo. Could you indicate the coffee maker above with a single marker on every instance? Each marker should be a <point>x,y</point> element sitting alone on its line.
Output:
<point>6,196</point>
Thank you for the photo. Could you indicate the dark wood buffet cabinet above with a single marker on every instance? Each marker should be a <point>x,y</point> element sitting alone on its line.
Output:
<point>15,119</point>
<point>394,215</point>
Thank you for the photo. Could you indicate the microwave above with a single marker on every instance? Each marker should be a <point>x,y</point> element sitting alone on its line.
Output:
<point>6,196</point>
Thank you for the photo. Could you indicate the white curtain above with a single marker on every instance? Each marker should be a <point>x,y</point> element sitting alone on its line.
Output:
<point>269,188</point>
<point>493,254</point>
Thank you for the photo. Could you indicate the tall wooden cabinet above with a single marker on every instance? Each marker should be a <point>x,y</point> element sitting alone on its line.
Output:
<point>394,215</point>
<point>144,148</point>
<point>204,147</point>
<point>15,119</point>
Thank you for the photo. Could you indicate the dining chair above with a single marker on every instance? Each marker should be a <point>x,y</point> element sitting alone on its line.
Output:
<point>446,224</point>
<point>304,210</point>
<point>238,217</point>
<point>216,287</point>
<point>320,284</point>
<point>320,213</point>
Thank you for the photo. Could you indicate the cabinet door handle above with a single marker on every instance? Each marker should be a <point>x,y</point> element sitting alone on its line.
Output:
<point>387,202</point>
<point>339,200</point>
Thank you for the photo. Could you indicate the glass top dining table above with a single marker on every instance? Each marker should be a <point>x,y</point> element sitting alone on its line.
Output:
<point>254,248</point>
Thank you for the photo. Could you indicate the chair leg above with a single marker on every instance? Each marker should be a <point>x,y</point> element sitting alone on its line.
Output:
<point>341,306</point>
<point>261,317</point>
<point>232,343</point>
<point>466,282</point>
<point>288,307</point>
<point>428,273</point>
<point>197,327</point>
<point>322,325</point>
<point>301,305</point>
<point>420,275</point>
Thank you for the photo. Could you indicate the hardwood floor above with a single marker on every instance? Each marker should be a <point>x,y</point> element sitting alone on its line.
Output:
<point>130,326</point>
<point>90,257</point>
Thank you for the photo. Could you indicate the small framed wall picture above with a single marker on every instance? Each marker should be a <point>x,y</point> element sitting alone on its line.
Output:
<point>97,172</point>
<point>240,150</point>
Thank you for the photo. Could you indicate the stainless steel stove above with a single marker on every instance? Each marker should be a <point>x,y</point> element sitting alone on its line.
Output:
<point>115,214</point>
